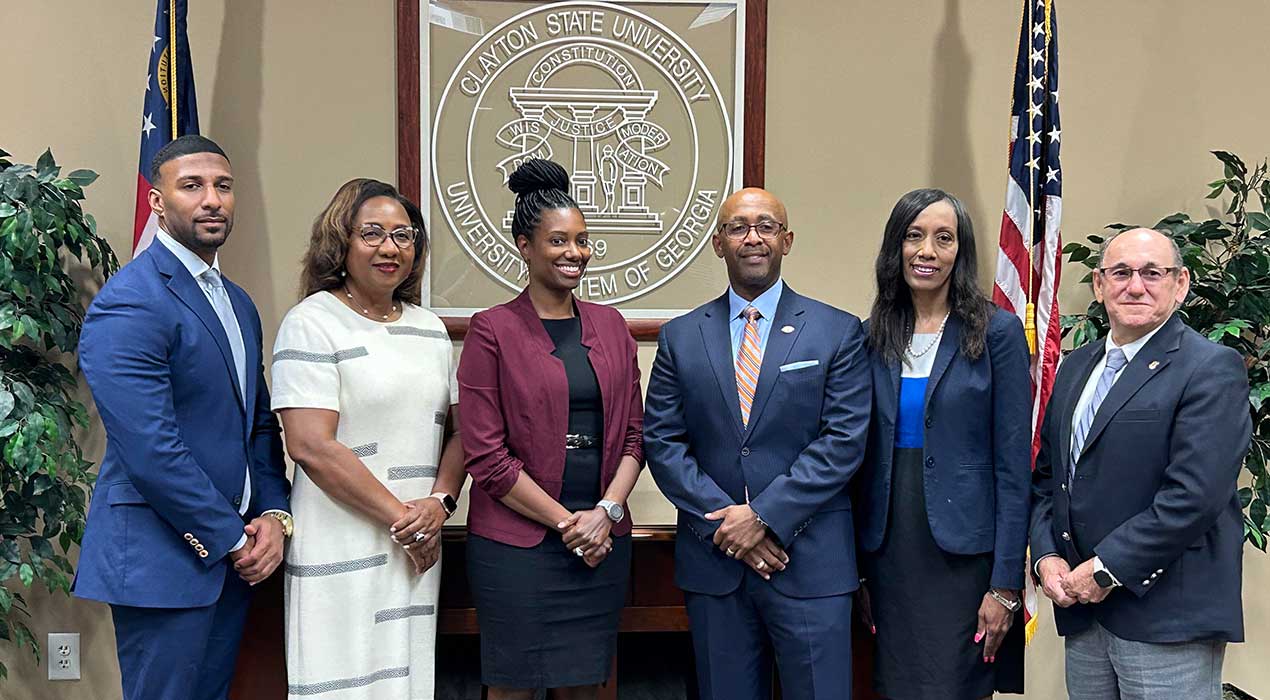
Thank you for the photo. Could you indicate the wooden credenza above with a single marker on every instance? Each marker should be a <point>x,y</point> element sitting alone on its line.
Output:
<point>653,605</point>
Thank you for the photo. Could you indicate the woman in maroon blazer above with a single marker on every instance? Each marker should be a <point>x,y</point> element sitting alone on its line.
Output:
<point>552,423</point>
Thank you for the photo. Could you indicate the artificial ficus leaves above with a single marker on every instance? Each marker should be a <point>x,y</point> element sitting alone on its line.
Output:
<point>44,479</point>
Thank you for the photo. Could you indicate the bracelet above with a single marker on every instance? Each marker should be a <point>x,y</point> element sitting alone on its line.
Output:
<point>1011,605</point>
<point>760,520</point>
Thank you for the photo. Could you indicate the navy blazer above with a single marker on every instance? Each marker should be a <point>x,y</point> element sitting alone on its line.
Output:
<point>977,449</point>
<point>1155,489</point>
<point>177,437</point>
<point>804,441</point>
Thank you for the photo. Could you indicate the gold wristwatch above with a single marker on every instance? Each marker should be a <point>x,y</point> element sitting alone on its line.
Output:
<point>288,525</point>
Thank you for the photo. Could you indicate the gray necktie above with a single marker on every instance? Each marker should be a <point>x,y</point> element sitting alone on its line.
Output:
<point>1115,361</point>
<point>211,280</point>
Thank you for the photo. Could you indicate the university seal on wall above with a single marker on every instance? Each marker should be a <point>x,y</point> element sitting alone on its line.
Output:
<point>624,104</point>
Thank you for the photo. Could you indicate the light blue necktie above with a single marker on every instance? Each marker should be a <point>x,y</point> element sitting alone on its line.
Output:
<point>211,279</point>
<point>1115,361</point>
<point>216,293</point>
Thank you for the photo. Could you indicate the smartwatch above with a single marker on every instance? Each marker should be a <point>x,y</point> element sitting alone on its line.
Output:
<point>1102,577</point>
<point>613,509</point>
<point>448,503</point>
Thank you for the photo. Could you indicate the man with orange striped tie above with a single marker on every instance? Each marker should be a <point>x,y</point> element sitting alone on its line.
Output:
<point>756,417</point>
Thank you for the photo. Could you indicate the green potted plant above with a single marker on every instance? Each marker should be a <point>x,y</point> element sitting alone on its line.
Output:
<point>1229,260</point>
<point>44,479</point>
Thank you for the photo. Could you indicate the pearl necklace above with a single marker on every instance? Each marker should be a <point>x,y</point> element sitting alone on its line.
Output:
<point>934,341</point>
<point>366,311</point>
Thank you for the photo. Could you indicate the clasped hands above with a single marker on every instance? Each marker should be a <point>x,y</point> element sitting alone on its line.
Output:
<point>262,553</point>
<point>1066,586</point>
<point>744,537</point>
<point>588,530</point>
<point>417,531</point>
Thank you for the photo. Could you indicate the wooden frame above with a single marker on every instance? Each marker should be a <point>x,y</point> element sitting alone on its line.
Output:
<point>410,157</point>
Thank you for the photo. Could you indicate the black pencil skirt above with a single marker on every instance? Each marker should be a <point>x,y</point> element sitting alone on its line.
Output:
<point>547,620</point>
<point>925,605</point>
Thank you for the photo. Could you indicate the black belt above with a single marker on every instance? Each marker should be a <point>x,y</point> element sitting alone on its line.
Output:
<point>574,442</point>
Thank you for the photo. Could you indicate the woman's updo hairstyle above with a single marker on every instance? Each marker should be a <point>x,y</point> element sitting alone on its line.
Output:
<point>539,185</point>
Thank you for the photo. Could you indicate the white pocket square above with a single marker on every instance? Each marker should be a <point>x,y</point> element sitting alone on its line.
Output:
<point>799,365</point>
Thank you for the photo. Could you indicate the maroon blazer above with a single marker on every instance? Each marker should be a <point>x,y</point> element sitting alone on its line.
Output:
<point>515,402</point>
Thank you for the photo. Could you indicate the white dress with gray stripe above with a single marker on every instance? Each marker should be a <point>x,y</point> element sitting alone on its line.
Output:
<point>359,623</point>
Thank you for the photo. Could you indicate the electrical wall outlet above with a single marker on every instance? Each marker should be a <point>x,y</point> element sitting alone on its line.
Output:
<point>62,653</point>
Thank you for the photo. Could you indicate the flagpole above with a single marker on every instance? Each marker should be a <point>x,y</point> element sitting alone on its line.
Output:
<point>1029,240</point>
<point>172,61</point>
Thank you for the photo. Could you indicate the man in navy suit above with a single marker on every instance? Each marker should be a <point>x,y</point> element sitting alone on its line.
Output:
<point>756,418</point>
<point>190,506</point>
<point>1136,529</point>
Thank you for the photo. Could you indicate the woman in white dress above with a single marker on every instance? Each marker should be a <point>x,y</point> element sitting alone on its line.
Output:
<point>363,381</point>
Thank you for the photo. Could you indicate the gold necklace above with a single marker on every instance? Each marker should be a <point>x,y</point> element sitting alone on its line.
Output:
<point>366,311</point>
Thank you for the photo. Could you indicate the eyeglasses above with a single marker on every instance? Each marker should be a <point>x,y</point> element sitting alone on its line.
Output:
<point>740,229</point>
<point>1151,274</point>
<point>374,236</point>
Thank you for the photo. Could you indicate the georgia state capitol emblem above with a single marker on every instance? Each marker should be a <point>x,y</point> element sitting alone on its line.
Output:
<point>624,104</point>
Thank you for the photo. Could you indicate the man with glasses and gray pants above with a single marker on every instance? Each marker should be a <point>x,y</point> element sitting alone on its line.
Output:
<point>1137,532</point>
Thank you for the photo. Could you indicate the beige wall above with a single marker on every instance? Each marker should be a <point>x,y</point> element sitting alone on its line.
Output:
<point>865,101</point>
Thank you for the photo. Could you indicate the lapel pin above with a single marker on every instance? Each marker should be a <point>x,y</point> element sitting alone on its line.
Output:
<point>1154,364</point>
<point>787,329</point>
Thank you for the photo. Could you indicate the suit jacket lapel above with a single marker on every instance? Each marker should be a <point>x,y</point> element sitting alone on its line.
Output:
<point>717,339</point>
<point>552,366</point>
<point>889,393</point>
<point>948,345</point>
<point>251,349</point>
<point>598,357</point>
<point>788,313</point>
<point>183,285</point>
<point>1146,364</point>
<point>1068,408</point>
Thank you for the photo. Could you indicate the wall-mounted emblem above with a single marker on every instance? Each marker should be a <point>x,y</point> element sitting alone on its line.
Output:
<point>624,104</point>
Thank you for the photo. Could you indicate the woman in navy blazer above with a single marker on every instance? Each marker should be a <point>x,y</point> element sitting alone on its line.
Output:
<point>552,432</point>
<point>943,493</point>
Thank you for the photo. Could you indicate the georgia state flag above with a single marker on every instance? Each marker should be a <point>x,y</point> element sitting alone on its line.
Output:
<point>170,110</point>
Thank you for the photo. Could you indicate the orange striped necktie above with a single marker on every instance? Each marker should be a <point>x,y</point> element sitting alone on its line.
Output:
<point>748,362</point>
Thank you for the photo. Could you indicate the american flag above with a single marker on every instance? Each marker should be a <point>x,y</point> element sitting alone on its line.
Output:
<point>170,108</point>
<point>1030,256</point>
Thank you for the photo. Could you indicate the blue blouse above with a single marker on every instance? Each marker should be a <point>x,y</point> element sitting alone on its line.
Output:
<point>910,430</point>
<point>910,424</point>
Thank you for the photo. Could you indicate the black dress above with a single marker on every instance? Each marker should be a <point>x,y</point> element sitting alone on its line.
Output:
<point>548,620</point>
<point>925,601</point>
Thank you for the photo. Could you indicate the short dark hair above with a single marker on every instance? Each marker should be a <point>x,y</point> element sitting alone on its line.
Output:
<point>188,144</point>
<point>328,243</point>
<point>892,318</point>
<point>539,185</point>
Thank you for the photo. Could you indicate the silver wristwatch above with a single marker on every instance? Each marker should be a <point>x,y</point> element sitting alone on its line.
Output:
<point>1011,605</point>
<point>613,509</point>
